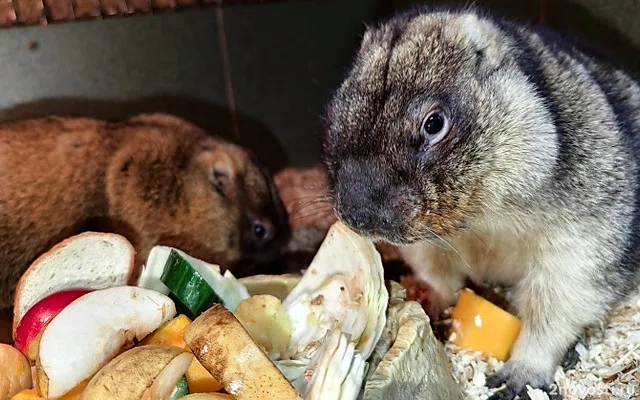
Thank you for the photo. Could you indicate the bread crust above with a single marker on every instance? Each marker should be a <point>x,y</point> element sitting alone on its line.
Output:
<point>33,268</point>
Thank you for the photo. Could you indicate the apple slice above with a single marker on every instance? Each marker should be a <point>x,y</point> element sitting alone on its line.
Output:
<point>27,333</point>
<point>15,371</point>
<point>92,330</point>
<point>142,373</point>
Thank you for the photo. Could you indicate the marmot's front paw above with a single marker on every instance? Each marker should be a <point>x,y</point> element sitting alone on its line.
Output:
<point>516,377</point>
<point>572,356</point>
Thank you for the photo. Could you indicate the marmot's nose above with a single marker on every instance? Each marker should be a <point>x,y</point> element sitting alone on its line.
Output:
<point>368,219</point>
<point>359,217</point>
<point>362,197</point>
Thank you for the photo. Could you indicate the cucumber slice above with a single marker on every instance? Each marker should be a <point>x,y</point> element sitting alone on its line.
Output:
<point>180,308</point>
<point>181,390</point>
<point>188,286</point>
<point>154,268</point>
<point>226,286</point>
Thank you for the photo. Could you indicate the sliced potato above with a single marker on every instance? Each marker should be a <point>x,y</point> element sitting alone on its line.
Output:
<point>198,378</point>
<point>15,371</point>
<point>265,320</point>
<point>225,348</point>
<point>208,396</point>
<point>141,373</point>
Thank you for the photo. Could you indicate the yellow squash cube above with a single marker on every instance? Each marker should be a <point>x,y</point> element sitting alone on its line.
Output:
<point>479,325</point>
<point>27,394</point>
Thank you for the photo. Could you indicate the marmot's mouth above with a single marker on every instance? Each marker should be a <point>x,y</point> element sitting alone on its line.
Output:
<point>393,236</point>
<point>405,240</point>
<point>405,235</point>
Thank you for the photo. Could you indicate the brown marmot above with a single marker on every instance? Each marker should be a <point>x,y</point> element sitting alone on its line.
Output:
<point>154,178</point>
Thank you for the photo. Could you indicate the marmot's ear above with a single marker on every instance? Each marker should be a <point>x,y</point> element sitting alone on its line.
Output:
<point>484,38</point>
<point>367,37</point>
<point>219,166</point>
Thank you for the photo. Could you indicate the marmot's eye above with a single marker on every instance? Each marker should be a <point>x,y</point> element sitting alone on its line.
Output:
<point>435,125</point>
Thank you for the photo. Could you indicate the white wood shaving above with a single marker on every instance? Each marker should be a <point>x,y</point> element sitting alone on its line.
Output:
<point>608,369</point>
<point>536,394</point>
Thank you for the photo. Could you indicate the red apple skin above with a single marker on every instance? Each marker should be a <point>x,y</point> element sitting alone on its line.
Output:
<point>38,316</point>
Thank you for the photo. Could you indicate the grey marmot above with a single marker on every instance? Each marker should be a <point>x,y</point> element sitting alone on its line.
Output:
<point>496,151</point>
<point>154,178</point>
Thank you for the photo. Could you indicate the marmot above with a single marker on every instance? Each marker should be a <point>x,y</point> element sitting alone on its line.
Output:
<point>154,178</point>
<point>497,151</point>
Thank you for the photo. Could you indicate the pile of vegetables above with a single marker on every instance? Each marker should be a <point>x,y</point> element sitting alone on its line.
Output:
<point>188,331</point>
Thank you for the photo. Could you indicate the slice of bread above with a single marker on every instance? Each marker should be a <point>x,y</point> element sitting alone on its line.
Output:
<point>90,260</point>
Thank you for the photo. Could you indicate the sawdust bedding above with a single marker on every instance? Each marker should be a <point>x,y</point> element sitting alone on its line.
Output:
<point>608,368</point>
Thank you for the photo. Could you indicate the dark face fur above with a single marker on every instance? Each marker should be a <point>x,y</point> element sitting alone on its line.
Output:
<point>250,212</point>
<point>408,146</point>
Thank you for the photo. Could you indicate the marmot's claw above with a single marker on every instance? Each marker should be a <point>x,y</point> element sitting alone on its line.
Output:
<point>571,358</point>
<point>499,378</point>
<point>516,380</point>
<point>504,394</point>
<point>509,393</point>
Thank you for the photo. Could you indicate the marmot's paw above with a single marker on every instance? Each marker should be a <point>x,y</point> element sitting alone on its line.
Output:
<point>515,379</point>
<point>500,377</point>
<point>572,356</point>
<point>510,393</point>
<point>570,359</point>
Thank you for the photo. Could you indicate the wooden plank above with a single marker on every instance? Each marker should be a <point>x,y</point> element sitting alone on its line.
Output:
<point>7,13</point>
<point>139,6</point>
<point>30,11</point>
<point>86,8</point>
<point>59,10</point>
<point>164,4</point>
<point>114,7</point>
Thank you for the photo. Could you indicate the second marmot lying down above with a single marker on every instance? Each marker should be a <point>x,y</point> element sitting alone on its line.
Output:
<point>499,152</point>
<point>156,179</point>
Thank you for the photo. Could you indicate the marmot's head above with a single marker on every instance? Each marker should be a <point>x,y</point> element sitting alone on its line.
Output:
<point>435,125</point>
<point>211,198</point>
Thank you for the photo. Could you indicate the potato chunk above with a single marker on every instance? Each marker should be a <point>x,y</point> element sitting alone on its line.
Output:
<point>225,348</point>
<point>265,320</point>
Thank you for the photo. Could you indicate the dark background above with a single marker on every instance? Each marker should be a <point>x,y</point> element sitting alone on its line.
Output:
<point>259,73</point>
